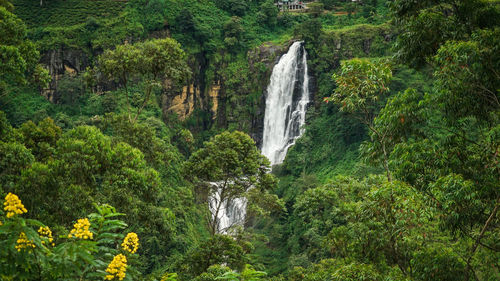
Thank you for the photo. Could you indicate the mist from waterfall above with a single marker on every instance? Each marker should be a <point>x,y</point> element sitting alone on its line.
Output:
<point>286,103</point>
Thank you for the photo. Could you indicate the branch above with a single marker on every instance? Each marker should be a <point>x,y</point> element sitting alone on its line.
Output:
<point>455,133</point>
<point>481,234</point>
<point>491,95</point>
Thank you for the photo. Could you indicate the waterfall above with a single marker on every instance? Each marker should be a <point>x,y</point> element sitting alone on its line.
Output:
<point>286,103</point>
<point>231,213</point>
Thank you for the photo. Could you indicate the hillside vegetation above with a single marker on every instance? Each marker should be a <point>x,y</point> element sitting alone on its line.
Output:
<point>124,125</point>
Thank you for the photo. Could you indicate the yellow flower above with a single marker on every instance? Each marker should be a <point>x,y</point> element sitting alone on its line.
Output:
<point>13,205</point>
<point>47,233</point>
<point>131,243</point>
<point>117,268</point>
<point>81,230</point>
<point>23,242</point>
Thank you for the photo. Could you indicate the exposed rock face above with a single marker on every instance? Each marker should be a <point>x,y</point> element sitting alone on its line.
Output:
<point>214,94</point>
<point>183,103</point>
<point>73,61</point>
<point>268,53</point>
<point>62,62</point>
<point>364,40</point>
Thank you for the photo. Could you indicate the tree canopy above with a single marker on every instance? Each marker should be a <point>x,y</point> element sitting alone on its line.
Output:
<point>231,165</point>
<point>154,61</point>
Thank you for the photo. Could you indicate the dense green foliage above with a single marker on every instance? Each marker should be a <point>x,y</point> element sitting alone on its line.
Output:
<point>153,61</point>
<point>395,178</point>
<point>27,252</point>
<point>18,56</point>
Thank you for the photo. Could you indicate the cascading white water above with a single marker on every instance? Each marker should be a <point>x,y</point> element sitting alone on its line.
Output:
<point>231,212</point>
<point>286,103</point>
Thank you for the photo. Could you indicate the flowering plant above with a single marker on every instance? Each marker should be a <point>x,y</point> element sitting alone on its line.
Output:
<point>29,250</point>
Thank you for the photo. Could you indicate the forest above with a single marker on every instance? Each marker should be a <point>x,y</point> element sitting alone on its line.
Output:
<point>172,140</point>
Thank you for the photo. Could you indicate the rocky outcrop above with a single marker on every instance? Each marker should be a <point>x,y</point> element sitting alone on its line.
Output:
<point>268,54</point>
<point>213,95</point>
<point>61,62</point>
<point>183,102</point>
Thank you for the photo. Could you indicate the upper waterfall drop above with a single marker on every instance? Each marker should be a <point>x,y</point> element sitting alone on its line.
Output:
<point>286,103</point>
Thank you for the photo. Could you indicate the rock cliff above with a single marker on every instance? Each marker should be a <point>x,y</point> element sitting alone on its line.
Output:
<point>61,62</point>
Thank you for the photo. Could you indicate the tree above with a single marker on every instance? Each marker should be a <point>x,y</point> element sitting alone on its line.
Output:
<point>185,22</point>
<point>311,31</point>
<point>453,157</point>
<point>158,152</point>
<point>7,5</point>
<point>218,249</point>
<point>337,270</point>
<point>316,211</point>
<point>248,274</point>
<point>30,252</point>
<point>85,164</point>
<point>213,273</point>
<point>467,75</point>
<point>330,4</point>
<point>41,139</point>
<point>7,133</point>
<point>14,157</point>
<point>234,7</point>
<point>18,56</point>
<point>233,162</point>
<point>360,84</point>
<point>397,122</point>
<point>426,25</point>
<point>233,34</point>
<point>315,8</point>
<point>434,263</point>
<point>151,62</point>
<point>350,8</point>
<point>268,14</point>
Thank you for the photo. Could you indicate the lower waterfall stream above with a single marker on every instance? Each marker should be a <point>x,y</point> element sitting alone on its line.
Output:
<point>231,213</point>
<point>286,103</point>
